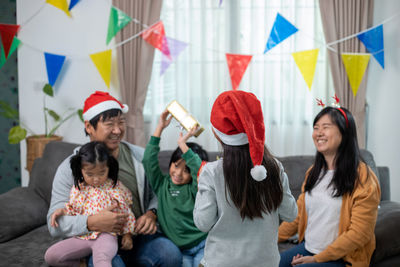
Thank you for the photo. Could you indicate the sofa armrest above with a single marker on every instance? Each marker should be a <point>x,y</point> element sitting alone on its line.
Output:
<point>384,180</point>
<point>21,211</point>
<point>387,231</point>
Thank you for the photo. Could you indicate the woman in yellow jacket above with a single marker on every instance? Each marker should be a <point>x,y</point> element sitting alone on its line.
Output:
<point>338,205</point>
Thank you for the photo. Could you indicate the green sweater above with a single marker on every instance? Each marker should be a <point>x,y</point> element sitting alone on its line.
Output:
<point>175,202</point>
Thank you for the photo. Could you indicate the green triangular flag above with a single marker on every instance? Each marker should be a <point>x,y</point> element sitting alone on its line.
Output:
<point>117,21</point>
<point>13,47</point>
<point>2,57</point>
<point>16,42</point>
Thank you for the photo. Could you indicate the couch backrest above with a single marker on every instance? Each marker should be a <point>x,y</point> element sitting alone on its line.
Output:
<point>44,168</point>
<point>295,167</point>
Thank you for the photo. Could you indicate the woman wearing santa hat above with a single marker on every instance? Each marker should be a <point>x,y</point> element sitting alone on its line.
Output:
<point>242,196</point>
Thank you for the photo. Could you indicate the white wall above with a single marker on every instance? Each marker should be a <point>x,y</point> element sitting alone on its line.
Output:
<point>383,96</point>
<point>52,31</point>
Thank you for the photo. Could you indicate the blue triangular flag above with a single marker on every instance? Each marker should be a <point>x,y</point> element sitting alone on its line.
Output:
<point>54,64</point>
<point>281,30</point>
<point>175,48</point>
<point>373,41</point>
<point>72,4</point>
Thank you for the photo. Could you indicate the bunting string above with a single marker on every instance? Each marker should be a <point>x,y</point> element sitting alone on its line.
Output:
<point>355,63</point>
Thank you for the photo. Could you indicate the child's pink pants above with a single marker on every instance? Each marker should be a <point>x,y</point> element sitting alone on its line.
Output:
<point>68,252</point>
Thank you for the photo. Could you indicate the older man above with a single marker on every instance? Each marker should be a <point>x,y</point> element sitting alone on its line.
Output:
<point>105,122</point>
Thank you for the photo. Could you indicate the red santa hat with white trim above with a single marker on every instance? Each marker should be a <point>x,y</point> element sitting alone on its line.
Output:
<point>237,119</point>
<point>99,102</point>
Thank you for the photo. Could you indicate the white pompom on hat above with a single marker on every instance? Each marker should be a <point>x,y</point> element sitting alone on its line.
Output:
<point>237,119</point>
<point>99,102</point>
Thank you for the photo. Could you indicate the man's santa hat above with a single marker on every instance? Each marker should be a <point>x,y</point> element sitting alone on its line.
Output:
<point>99,102</point>
<point>237,119</point>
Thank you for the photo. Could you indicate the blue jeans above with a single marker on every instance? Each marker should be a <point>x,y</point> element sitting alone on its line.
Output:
<point>287,256</point>
<point>148,251</point>
<point>193,256</point>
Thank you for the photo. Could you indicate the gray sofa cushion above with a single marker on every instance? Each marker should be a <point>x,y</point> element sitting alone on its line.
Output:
<point>44,169</point>
<point>27,250</point>
<point>387,231</point>
<point>21,211</point>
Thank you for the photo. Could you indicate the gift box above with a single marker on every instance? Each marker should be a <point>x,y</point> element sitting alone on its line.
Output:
<point>183,117</point>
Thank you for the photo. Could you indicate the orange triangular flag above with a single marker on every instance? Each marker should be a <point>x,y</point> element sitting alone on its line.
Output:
<point>237,65</point>
<point>155,35</point>
<point>7,32</point>
<point>102,60</point>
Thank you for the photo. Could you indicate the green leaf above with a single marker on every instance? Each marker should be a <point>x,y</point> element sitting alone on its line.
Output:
<point>53,114</point>
<point>8,111</point>
<point>80,114</point>
<point>16,135</point>
<point>48,90</point>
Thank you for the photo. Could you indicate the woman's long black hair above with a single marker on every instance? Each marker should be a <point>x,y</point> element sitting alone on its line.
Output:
<point>347,157</point>
<point>252,198</point>
<point>94,153</point>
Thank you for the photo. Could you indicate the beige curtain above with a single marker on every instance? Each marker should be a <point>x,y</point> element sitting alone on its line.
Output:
<point>341,18</point>
<point>135,62</point>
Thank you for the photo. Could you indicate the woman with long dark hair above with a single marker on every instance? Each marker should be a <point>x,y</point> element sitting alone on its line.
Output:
<point>243,195</point>
<point>339,201</point>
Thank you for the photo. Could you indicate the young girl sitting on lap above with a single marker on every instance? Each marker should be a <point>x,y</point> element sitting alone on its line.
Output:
<point>96,188</point>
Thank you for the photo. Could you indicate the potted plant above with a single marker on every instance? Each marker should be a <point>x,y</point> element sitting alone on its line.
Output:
<point>36,143</point>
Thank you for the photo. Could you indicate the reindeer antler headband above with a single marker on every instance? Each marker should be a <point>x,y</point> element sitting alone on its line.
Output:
<point>336,105</point>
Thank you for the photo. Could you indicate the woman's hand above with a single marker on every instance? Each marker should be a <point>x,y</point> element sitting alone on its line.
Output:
<point>126,242</point>
<point>163,122</point>
<point>300,259</point>
<point>57,213</point>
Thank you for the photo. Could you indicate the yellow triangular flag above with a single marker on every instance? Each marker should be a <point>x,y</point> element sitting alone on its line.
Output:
<point>61,4</point>
<point>355,65</point>
<point>306,61</point>
<point>102,60</point>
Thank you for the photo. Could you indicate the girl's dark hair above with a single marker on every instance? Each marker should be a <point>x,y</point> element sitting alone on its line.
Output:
<point>347,156</point>
<point>93,153</point>
<point>177,154</point>
<point>252,198</point>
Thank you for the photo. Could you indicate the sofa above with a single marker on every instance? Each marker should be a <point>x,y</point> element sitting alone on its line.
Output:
<point>24,237</point>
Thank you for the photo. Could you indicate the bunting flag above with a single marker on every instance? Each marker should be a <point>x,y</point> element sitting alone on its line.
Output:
<point>72,4</point>
<point>116,22</point>
<point>7,33</point>
<point>373,41</point>
<point>175,48</point>
<point>237,65</point>
<point>54,64</point>
<point>155,35</point>
<point>60,4</point>
<point>281,30</point>
<point>16,42</point>
<point>355,65</point>
<point>306,61</point>
<point>102,61</point>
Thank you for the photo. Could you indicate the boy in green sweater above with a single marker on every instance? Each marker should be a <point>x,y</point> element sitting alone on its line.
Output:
<point>176,191</point>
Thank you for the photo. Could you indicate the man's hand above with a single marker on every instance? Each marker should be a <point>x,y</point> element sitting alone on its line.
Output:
<point>146,224</point>
<point>107,221</point>
<point>300,259</point>
<point>126,242</point>
<point>57,213</point>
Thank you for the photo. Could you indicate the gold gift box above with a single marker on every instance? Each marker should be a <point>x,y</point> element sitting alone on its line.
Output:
<point>183,117</point>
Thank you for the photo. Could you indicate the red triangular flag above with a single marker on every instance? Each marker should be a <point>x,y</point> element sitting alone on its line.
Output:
<point>237,65</point>
<point>7,32</point>
<point>155,35</point>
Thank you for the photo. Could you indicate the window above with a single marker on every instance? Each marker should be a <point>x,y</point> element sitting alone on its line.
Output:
<point>200,73</point>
